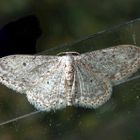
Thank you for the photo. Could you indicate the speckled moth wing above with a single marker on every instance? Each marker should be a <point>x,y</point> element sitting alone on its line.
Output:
<point>50,91</point>
<point>117,63</point>
<point>92,89</point>
<point>15,70</point>
<point>41,78</point>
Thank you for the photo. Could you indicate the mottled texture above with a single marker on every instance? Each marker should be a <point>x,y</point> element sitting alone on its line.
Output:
<point>54,82</point>
<point>117,63</point>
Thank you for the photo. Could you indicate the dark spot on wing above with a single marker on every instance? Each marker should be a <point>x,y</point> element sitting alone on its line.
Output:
<point>113,55</point>
<point>24,64</point>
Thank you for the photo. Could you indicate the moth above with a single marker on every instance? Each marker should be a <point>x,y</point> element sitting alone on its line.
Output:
<point>69,79</point>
